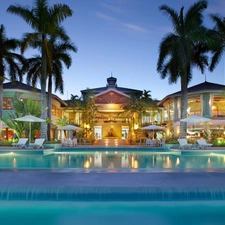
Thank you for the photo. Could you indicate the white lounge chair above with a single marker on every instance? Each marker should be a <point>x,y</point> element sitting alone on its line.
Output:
<point>21,143</point>
<point>38,143</point>
<point>161,142</point>
<point>183,144</point>
<point>148,141</point>
<point>203,144</point>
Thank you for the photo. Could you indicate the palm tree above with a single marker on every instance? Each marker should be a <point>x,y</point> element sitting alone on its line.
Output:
<point>218,34</point>
<point>133,109</point>
<point>150,105</point>
<point>183,49</point>
<point>58,54</point>
<point>45,21</point>
<point>10,63</point>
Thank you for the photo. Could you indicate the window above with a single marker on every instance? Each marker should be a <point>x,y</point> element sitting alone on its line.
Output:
<point>7,103</point>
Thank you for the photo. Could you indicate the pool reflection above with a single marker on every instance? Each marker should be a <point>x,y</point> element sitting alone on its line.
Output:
<point>111,160</point>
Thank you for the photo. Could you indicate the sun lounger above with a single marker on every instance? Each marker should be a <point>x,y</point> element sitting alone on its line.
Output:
<point>203,144</point>
<point>183,144</point>
<point>21,143</point>
<point>38,143</point>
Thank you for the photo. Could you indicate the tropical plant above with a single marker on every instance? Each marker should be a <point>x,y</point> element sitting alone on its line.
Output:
<point>133,109</point>
<point>45,21</point>
<point>218,33</point>
<point>23,108</point>
<point>58,55</point>
<point>183,49</point>
<point>10,64</point>
<point>62,122</point>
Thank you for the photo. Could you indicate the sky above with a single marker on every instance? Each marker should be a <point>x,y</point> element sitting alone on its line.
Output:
<point>118,38</point>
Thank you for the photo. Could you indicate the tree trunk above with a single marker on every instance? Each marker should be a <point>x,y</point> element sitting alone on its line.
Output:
<point>1,105</point>
<point>43,93</point>
<point>183,125</point>
<point>49,107</point>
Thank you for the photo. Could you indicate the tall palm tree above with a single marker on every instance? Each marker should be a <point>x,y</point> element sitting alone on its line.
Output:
<point>218,34</point>
<point>58,55</point>
<point>183,49</point>
<point>10,64</point>
<point>45,20</point>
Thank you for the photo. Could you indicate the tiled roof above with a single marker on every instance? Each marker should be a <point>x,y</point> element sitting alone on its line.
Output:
<point>25,87</point>
<point>203,88</point>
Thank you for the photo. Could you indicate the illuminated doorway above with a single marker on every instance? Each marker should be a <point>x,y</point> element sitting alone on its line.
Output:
<point>98,132</point>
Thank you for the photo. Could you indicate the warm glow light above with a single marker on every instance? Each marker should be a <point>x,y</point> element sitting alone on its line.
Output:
<point>14,162</point>
<point>135,126</point>
<point>209,161</point>
<point>135,164</point>
<point>86,164</point>
<point>177,162</point>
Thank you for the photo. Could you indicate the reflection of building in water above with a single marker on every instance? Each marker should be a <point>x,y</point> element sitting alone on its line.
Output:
<point>125,160</point>
<point>98,160</point>
<point>134,162</point>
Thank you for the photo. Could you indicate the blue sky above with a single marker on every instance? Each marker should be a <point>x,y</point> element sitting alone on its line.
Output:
<point>118,37</point>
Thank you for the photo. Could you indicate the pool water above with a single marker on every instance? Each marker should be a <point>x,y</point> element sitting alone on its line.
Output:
<point>121,160</point>
<point>110,213</point>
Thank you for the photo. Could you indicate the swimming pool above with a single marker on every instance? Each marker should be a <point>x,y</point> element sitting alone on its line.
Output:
<point>58,187</point>
<point>111,213</point>
<point>132,160</point>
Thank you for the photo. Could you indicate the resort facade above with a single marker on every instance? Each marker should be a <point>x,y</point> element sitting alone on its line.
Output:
<point>108,119</point>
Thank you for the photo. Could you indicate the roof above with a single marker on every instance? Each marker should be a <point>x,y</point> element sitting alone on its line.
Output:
<point>111,84</point>
<point>24,87</point>
<point>205,87</point>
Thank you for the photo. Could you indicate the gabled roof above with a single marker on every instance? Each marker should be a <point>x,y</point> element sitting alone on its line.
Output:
<point>205,87</point>
<point>16,85</point>
<point>114,90</point>
<point>111,85</point>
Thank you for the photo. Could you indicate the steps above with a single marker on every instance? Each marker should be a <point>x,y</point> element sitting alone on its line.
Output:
<point>111,142</point>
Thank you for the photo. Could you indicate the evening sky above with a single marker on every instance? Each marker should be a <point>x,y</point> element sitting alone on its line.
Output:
<point>118,38</point>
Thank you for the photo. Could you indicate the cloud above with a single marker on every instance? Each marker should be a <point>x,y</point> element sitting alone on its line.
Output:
<point>134,27</point>
<point>113,8</point>
<point>105,17</point>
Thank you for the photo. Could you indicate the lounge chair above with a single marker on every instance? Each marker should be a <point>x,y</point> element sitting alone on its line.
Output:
<point>203,144</point>
<point>148,141</point>
<point>183,144</point>
<point>21,143</point>
<point>161,142</point>
<point>38,143</point>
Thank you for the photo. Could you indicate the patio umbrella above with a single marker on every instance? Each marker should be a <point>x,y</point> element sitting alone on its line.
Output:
<point>153,128</point>
<point>30,118</point>
<point>69,127</point>
<point>196,119</point>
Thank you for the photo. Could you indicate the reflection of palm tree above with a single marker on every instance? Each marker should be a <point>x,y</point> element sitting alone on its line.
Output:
<point>9,62</point>
<point>182,50</point>
<point>45,21</point>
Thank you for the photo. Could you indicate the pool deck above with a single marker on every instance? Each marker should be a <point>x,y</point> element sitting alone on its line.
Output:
<point>110,180</point>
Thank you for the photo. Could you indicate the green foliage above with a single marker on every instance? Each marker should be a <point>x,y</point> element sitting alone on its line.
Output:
<point>5,143</point>
<point>219,142</point>
<point>62,122</point>
<point>23,108</point>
